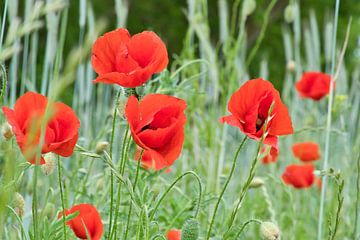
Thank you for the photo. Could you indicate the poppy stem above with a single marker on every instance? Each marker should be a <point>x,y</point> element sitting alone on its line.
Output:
<point>245,188</point>
<point>124,149</point>
<point>111,159</point>
<point>62,197</point>
<point>328,126</point>
<point>3,83</point>
<point>171,187</point>
<point>134,186</point>
<point>225,186</point>
<point>245,224</point>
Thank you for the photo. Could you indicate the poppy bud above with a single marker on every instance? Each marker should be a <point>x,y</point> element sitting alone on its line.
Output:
<point>7,131</point>
<point>101,147</point>
<point>269,231</point>
<point>289,13</point>
<point>190,230</point>
<point>291,66</point>
<point>257,182</point>
<point>50,164</point>
<point>100,184</point>
<point>49,210</point>
<point>19,204</point>
<point>248,7</point>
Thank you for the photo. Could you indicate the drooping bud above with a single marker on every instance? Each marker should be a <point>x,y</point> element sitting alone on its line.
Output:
<point>269,231</point>
<point>190,230</point>
<point>100,184</point>
<point>6,131</point>
<point>19,204</point>
<point>289,13</point>
<point>50,164</point>
<point>49,210</point>
<point>291,66</point>
<point>249,7</point>
<point>256,182</point>
<point>101,147</point>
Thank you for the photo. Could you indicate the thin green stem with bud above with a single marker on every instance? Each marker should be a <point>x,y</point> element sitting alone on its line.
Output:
<point>62,197</point>
<point>225,186</point>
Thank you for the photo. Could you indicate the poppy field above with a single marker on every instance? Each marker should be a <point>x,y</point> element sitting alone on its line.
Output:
<point>115,135</point>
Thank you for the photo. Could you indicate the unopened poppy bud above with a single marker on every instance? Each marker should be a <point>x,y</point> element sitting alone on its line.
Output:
<point>190,230</point>
<point>269,231</point>
<point>101,147</point>
<point>7,131</point>
<point>100,184</point>
<point>19,203</point>
<point>248,7</point>
<point>256,182</point>
<point>289,14</point>
<point>50,164</point>
<point>291,66</point>
<point>49,210</point>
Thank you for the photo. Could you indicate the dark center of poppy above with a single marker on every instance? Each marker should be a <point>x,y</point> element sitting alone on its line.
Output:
<point>259,123</point>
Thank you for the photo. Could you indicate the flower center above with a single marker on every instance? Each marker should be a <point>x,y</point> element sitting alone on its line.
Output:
<point>259,123</point>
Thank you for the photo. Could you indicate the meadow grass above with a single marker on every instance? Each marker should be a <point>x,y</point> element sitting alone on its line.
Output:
<point>138,204</point>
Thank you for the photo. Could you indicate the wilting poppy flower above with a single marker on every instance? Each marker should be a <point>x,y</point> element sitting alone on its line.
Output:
<point>88,217</point>
<point>157,126</point>
<point>306,151</point>
<point>271,156</point>
<point>299,176</point>
<point>314,85</point>
<point>128,61</point>
<point>249,107</point>
<point>61,130</point>
<point>173,234</point>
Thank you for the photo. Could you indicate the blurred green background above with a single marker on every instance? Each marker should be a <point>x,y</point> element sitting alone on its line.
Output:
<point>168,19</point>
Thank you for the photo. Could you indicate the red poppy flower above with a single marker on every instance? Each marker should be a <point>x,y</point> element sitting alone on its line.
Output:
<point>61,130</point>
<point>88,217</point>
<point>249,107</point>
<point>314,85</point>
<point>157,126</point>
<point>299,176</point>
<point>306,151</point>
<point>128,61</point>
<point>173,234</point>
<point>271,156</point>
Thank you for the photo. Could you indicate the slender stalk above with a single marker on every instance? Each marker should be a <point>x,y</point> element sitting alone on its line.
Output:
<point>172,186</point>
<point>244,226</point>
<point>62,197</point>
<point>245,188</point>
<point>123,150</point>
<point>328,127</point>
<point>357,198</point>
<point>3,83</point>
<point>225,186</point>
<point>111,159</point>
<point>134,186</point>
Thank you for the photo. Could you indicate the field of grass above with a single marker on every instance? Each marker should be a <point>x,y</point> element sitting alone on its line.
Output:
<point>205,193</point>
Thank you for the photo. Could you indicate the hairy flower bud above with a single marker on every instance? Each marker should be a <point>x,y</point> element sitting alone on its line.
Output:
<point>50,164</point>
<point>7,131</point>
<point>101,147</point>
<point>256,182</point>
<point>269,231</point>
<point>19,203</point>
<point>190,230</point>
<point>291,66</point>
<point>248,7</point>
<point>289,13</point>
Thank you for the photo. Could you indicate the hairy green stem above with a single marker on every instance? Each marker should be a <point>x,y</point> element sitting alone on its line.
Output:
<point>134,187</point>
<point>3,83</point>
<point>111,159</point>
<point>357,198</point>
<point>62,197</point>
<point>225,186</point>
<point>172,186</point>
<point>328,126</point>
<point>244,226</point>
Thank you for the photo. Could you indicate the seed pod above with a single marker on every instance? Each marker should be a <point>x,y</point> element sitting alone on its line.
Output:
<point>190,230</point>
<point>7,131</point>
<point>269,231</point>
<point>50,164</point>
